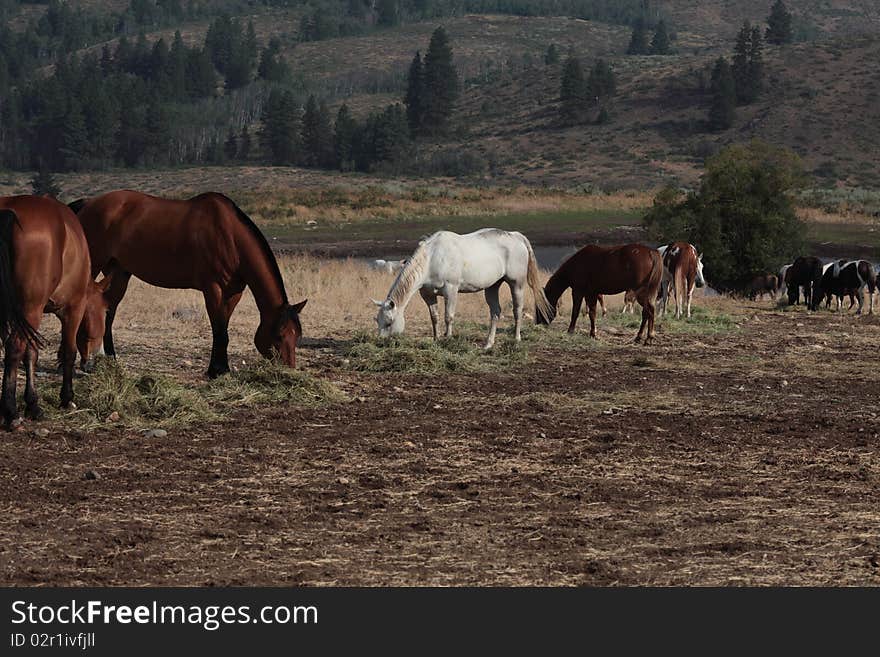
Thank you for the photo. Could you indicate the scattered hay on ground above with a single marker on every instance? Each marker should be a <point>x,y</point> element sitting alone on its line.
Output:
<point>460,353</point>
<point>112,395</point>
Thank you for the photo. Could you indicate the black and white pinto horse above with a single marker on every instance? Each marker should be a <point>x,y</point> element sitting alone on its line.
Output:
<point>850,278</point>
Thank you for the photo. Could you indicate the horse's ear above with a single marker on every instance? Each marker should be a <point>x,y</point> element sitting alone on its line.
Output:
<point>391,304</point>
<point>297,308</point>
<point>377,303</point>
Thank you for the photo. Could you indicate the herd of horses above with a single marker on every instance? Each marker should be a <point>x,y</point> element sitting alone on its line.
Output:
<point>446,263</point>
<point>807,276</point>
<point>76,261</point>
<point>51,255</point>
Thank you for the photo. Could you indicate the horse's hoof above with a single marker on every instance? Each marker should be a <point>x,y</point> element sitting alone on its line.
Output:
<point>34,412</point>
<point>214,373</point>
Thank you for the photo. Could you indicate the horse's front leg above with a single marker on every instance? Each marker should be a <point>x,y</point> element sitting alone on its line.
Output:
<point>591,305</point>
<point>491,294</point>
<point>690,295</point>
<point>450,295</point>
<point>114,295</point>
<point>430,298</point>
<point>220,306</point>
<point>577,298</point>
<point>70,321</point>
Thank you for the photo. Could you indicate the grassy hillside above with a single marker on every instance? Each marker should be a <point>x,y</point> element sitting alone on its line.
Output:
<point>821,99</point>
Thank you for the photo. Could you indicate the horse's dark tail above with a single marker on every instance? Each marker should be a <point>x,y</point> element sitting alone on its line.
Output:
<point>12,319</point>
<point>77,205</point>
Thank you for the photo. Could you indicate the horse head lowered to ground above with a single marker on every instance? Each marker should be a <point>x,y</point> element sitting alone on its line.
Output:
<point>596,270</point>
<point>447,263</point>
<point>206,243</point>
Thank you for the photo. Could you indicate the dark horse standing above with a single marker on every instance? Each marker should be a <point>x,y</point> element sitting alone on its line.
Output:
<point>205,243</point>
<point>44,267</point>
<point>805,272</point>
<point>597,270</point>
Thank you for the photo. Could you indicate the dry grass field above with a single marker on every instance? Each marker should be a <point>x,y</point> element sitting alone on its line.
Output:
<point>740,449</point>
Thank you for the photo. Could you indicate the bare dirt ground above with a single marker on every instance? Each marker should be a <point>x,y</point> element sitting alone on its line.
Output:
<point>736,456</point>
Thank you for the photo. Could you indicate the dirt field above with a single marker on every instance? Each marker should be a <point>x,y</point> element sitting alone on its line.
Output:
<point>741,449</point>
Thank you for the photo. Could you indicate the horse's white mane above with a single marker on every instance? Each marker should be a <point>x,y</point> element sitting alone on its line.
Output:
<point>410,275</point>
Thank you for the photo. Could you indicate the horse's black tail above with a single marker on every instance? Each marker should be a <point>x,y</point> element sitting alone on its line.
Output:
<point>12,319</point>
<point>77,205</point>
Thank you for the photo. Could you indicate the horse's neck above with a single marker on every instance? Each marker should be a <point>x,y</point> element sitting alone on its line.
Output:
<point>408,282</point>
<point>556,285</point>
<point>259,275</point>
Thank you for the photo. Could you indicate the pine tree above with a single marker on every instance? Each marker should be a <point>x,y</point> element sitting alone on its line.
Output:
<point>660,42</point>
<point>638,41</point>
<point>551,57</point>
<point>722,112</point>
<point>177,56</point>
<point>343,138</point>
<point>741,69</point>
<point>388,13</point>
<point>280,134</point>
<point>415,95</point>
<point>391,137</point>
<point>200,75</point>
<point>251,47</point>
<point>756,63</point>
<point>157,135</point>
<point>101,124</point>
<point>572,92</point>
<point>317,136</point>
<point>779,30</point>
<point>441,83</point>
<point>244,149</point>
<point>272,66</point>
<point>601,84</point>
<point>43,183</point>
<point>230,146</point>
<point>74,137</point>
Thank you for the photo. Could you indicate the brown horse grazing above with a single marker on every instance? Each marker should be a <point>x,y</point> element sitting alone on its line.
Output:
<point>596,270</point>
<point>205,243</point>
<point>44,267</point>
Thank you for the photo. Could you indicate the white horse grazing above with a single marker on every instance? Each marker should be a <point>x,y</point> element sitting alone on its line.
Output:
<point>447,263</point>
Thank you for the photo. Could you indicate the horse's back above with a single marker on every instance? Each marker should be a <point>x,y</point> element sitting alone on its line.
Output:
<point>165,242</point>
<point>479,259</point>
<point>612,270</point>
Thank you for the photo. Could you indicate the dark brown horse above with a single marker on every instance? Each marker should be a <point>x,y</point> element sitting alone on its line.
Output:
<point>44,268</point>
<point>597,270</point>
<point>205,243</point>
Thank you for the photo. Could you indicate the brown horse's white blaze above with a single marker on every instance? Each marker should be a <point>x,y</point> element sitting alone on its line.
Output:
<point>597,270</point>
<point>205,243</point>
<point>44,268</point>
<point>683,270</point>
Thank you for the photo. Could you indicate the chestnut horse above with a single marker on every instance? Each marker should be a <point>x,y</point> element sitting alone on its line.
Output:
<point>205,243</point>
<point>596,270</point>
<point>44,268</point>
